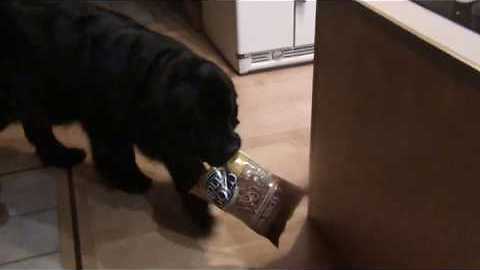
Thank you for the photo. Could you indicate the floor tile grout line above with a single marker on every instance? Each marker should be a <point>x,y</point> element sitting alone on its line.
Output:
<point>33,212</point>
<point>29,258</point>
<point>75,225</point>
<point>20,171</point>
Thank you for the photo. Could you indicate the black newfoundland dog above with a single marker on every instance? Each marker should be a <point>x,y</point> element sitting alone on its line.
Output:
<point>126,85</point>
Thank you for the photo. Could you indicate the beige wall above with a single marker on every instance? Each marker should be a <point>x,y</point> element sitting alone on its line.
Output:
<point>395,174</point>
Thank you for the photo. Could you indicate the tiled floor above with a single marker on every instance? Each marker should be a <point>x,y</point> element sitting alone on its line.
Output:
<point>43,261</point>
<point>124,231</point>
<point>28,211</point>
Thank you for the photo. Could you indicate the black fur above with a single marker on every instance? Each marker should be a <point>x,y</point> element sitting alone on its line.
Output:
<point>126,85</point>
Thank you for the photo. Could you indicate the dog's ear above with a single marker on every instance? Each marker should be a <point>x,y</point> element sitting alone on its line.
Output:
<point>208,73</point>
<point>205,70</point>
<point>208,86</point>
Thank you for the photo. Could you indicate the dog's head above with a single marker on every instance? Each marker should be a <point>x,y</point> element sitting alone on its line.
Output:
<point>197,112</point>
<point>215,114</point>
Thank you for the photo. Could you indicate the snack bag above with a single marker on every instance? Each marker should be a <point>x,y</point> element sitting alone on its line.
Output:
<point>262,200</point>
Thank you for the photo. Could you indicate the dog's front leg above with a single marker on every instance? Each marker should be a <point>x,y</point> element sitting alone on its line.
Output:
<point>38,131</point>
<point>114,158</point>
<point>37,126</point>
<point>49,149</point>
<point>185,173</point>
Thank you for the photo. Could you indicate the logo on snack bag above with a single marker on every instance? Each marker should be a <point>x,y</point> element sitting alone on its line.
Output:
<point>221,187</point>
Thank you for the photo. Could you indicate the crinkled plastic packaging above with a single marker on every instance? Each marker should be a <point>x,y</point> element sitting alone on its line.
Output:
<point>262,200</point>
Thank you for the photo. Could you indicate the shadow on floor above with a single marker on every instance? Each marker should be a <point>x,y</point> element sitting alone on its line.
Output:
<point>310,251</point>
<point>154,226</point>
<point>169,213</point>
<point>162,203</point>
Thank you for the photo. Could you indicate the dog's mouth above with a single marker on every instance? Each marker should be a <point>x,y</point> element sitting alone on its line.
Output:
<point>222,159</point>
<point>219,158</point>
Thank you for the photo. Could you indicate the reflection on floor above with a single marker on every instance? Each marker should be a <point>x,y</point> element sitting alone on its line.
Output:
<point>124,231</point>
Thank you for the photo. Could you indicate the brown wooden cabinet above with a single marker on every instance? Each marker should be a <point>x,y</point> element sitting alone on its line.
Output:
<point>193,11</point>
<point>395,154</point>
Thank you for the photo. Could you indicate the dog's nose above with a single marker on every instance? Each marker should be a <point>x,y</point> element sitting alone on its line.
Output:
<point>233,147</point>
<point>228,149</point>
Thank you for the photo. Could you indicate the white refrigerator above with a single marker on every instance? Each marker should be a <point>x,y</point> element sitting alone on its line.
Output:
<point>255,35</point>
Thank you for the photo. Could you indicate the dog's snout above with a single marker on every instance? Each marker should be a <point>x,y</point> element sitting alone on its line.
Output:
<point>233,146</point>
<point>232,149</point>
<point>236,142</point>
<point>220,153</point>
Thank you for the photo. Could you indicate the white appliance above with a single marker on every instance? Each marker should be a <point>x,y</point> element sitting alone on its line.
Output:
<point>254,35</point>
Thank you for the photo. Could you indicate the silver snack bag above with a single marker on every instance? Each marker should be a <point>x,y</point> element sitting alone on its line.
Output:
<point>262,200</point>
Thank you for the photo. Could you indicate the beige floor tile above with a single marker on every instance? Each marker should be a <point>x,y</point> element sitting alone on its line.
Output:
<point>29,191</point>
<point>30,235</point>
<point>286,155</point>
<point>269,106</point>
<point>50,262</point>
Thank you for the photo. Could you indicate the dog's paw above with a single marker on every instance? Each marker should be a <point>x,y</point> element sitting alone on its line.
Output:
<point>204,223</point>
<point>63,157</point>
<point>199,212</point>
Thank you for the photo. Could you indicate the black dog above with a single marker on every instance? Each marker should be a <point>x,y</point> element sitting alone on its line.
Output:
<point>126,85</point>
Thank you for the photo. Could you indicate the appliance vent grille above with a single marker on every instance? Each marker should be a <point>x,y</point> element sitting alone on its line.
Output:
<point>298,51</point>
<point>290,52</point>
<point>261,57</point>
